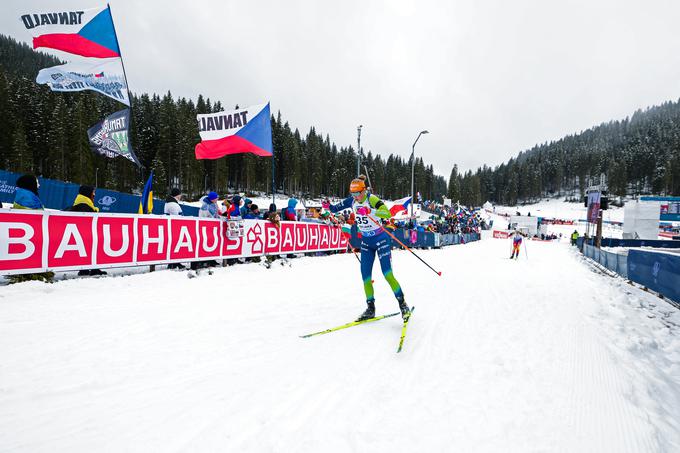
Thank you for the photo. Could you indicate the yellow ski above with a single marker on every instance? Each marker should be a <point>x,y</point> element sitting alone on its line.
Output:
<point>403,329</point>
<point>350,324</point>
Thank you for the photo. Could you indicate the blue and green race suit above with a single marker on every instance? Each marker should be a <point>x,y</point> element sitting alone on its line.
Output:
<point>374,240</point>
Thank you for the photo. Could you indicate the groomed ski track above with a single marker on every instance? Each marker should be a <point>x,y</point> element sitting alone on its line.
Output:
<point>540,354</point>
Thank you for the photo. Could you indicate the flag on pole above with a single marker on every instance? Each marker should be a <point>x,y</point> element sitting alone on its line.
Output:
<point>146,203</point>
<point>111,137</point>
<point>400,206</point>
<point>84,32</point>
<point>104,76</point>
<point>246,130</point>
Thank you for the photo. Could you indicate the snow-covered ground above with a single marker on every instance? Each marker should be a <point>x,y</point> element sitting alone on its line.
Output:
<point>540,354</point>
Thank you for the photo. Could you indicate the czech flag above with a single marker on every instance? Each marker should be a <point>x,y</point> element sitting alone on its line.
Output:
<point>146,203</point>
<point>85,32</point>
<point>247,130</point>
<point>400,205</point>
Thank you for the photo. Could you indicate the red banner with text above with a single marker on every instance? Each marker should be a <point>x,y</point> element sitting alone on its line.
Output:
<point>37,241</point>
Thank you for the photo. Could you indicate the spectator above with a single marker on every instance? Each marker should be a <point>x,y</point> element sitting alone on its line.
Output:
<point>289,212</point>
<point>253,212</point>
<point>245,209</point>
<point>209,206</point>
<point>26,195</point>
<point>172,206</point>
<point>272,208</point>
<point>235,209</point>
<point>84,201</point>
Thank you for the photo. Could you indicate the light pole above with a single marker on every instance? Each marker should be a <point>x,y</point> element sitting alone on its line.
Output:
<point>413,162</point>
<point>359,149</point>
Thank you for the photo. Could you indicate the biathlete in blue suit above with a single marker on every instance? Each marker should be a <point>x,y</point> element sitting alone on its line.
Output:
<point>369,209</point>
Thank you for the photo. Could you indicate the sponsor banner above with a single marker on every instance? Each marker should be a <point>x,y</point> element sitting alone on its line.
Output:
<point>501,234</point>
<point>104,76</point>
<point>38,241</point>
<point>593,207</point>
<point>245,130</point>
<point>110,137</point>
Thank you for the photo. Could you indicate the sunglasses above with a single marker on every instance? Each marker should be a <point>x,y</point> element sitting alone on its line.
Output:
<point>355,194</point>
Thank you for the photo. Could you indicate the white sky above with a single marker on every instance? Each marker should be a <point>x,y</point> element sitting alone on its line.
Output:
<point>487,78</point>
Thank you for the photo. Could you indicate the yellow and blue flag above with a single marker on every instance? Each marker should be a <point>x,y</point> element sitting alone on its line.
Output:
<point>146,203</point>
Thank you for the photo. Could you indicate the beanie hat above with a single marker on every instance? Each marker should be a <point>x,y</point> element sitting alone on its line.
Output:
<point>236,200</point>
<point>212,196</point>
<point>86,191</point>
<point>174,192</point>
<point>28,182</point>
<point>253,207</point>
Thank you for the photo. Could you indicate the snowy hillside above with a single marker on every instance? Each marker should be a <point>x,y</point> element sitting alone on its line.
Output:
<point>540,354</point>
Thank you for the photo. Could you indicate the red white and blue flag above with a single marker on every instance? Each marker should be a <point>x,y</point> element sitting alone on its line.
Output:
<point>246,130</point>
<point>400,206</point>
<point>84,32</point>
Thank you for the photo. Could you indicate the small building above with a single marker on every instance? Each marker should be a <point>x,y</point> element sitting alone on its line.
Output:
<point>526,224</point>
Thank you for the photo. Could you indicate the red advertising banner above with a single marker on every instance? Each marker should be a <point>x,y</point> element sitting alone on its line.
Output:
<point>37,241</point>
<point>500,234</point>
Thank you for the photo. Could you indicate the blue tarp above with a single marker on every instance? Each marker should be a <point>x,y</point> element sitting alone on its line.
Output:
<point>657,271</point>
<point>60,195</point>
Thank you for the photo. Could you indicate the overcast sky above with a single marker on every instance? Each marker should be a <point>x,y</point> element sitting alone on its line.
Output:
<point>488,79</point>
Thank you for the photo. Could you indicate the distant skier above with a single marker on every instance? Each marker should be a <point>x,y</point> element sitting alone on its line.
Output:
<point>516,243</point>
<point>369,210</point>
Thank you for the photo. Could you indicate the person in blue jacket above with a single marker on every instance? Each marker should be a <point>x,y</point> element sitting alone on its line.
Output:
<point>369,209</point>
<point>26,196</point>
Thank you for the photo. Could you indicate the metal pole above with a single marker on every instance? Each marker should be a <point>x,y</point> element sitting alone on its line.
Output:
<point>359,150</point>
<point>413,162</point>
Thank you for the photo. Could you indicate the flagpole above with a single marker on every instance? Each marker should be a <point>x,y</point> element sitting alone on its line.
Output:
<point>127,84</point>
<point>115,35</point>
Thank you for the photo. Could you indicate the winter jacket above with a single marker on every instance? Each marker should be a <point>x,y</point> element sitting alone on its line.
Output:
<point>289,212</point>
<point>83,204</point>
<point>25,199</point>
<point>208,209</point>
<point>172,207</point>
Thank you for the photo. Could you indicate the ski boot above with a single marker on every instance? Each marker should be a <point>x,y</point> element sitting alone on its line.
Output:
<point>369,313</point>
<point>404,308</point>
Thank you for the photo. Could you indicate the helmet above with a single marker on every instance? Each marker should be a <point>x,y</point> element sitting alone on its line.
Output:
<point>357,185</point>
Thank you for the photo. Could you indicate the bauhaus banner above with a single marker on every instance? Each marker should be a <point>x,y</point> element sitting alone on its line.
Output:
<point>37,241</point>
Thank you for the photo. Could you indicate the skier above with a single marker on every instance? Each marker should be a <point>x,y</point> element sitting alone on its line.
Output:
<point>369,210</point>
<point>516,242</point>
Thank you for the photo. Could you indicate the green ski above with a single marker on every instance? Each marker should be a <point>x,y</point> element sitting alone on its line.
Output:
<point>403,329</point>
<point>350,324</point>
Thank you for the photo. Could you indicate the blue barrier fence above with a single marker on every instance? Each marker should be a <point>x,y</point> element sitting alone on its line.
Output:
<point>423,239</point>
<point>613,261</point>
<point>657,271</point>
<point>611,242</point>
<point>60,195</point>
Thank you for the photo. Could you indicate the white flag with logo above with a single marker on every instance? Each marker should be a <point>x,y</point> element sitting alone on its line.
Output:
<point>103,75</point>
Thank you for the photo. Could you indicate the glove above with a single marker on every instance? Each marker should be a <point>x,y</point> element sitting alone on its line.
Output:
<point>325,204</point>
<point>363,210</point>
